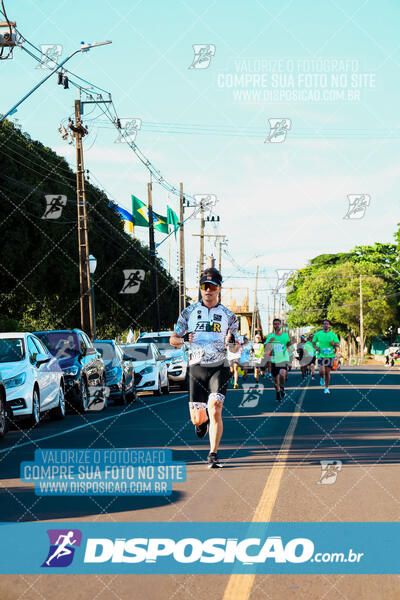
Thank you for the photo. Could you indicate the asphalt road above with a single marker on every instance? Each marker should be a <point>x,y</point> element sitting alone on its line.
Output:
<point>272,471</point>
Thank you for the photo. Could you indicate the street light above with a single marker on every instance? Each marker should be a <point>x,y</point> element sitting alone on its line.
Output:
<point>92,268</point>
<point>83,48</point>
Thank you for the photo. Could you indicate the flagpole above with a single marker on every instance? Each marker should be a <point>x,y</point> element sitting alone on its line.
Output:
<point>169,255</point>
<point>154,282</point>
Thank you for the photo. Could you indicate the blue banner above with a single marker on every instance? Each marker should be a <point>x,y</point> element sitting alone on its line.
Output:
<point>209,548</point>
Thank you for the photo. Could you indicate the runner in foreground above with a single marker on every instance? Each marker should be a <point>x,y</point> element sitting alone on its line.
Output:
<point>210,325</point>
<point>277,344</point>
<point>326,342</point>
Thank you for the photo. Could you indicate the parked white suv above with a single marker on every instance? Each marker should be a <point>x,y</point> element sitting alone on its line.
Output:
<point>32,377</point>
<point>176,359</point>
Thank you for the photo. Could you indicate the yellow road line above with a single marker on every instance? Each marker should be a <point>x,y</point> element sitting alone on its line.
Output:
<point>239,586</point>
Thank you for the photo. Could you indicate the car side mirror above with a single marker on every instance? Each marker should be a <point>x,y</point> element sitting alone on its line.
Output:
<point>41,358</point>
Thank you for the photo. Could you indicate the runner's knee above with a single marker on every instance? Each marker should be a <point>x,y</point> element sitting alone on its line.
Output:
<point>215,401</point>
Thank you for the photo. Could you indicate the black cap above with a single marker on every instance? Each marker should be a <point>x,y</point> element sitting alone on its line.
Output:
<point>211,275</point>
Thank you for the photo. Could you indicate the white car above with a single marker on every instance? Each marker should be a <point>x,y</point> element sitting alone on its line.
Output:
<point>32,377</point>
<point>176,358</point>
<point>151,372</point>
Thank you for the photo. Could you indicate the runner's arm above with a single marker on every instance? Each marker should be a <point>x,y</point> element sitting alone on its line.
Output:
<point>180,329</point>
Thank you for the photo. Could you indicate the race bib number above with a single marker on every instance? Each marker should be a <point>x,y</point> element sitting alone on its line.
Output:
<point>278,347</point>
<point>326,351</point>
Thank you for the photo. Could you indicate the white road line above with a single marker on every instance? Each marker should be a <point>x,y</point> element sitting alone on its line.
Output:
<point>54,435</point>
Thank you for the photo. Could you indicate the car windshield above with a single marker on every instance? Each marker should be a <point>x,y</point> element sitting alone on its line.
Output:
<point>106,350</point>
<point>12,350</point>
<point>60,344</point>
<point>162,342</point>
<point>138,352</point>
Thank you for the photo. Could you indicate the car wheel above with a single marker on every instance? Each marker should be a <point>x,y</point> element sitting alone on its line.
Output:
<point>35,416</point>
<point>133,393</point>
<point>122,397</point>
<point>158,391</point>
<point>3,417</point>
<point>58,412</point>
<point>84,397</point>
<point>166,387</point>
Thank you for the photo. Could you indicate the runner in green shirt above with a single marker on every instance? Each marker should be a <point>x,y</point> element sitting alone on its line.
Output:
<point>277,344</point>
<point>326,343</point>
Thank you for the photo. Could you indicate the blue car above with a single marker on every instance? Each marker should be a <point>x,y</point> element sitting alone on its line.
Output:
<point>120,372</point>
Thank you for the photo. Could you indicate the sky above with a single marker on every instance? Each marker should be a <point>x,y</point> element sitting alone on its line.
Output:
<point>328,69</point>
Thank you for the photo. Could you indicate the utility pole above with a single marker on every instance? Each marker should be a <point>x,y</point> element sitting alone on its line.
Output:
<point>201,263</point>
<point>154,280</point>
<point>182,288</point>
<point>361,324</point>
<point>253,321</point>
<point>83,242</point>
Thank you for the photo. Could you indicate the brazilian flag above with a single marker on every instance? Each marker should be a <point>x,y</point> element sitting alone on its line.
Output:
<point>172,219</point>
<point>140,212</point>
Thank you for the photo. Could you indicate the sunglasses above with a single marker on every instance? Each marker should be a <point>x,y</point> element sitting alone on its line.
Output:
<point>209,286</point>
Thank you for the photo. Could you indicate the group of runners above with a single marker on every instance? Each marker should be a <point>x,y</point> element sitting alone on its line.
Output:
<point>216,350</point>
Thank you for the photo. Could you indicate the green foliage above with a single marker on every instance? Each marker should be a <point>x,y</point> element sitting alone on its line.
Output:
<point>333,292</point>
<point>39,262</point>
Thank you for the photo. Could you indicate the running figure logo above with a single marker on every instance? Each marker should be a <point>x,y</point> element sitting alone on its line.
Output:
<point>278,129</point>
<point>54,206</point>
<point>252,395</point>
<point>128,130</point>
<point>133,279</point>
<point>62,547</point>
<point>203,54</point>
<point>358,204</point>
<point>282,277</point>
<point>50,55</point>
<point>329,471</point>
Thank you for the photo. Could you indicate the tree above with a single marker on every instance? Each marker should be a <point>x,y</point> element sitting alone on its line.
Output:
<point>333,292</point>
<point>39,263</point>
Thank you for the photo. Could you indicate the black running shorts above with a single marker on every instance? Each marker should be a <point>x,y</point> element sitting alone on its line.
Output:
<point>276,367</point>
<point>326,362</point>
<point>207,380</point>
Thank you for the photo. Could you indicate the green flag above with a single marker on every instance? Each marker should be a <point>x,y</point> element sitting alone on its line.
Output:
<point>140,212</point>
<point>172,219</point>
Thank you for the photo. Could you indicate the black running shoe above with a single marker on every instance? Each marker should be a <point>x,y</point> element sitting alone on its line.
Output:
<point>213,461</point>
<point>201,430</point>
<point>278,396</point>
<point>283,393</point>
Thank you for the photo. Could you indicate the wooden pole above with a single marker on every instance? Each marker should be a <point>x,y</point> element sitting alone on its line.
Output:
<point>83,242</point>
<point>154,280</point>
<point>182,288</point>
